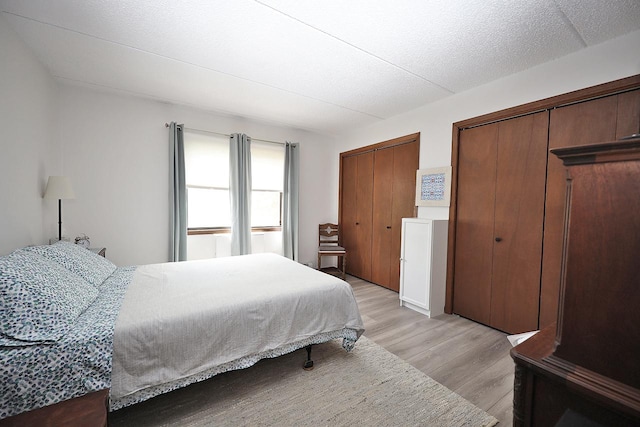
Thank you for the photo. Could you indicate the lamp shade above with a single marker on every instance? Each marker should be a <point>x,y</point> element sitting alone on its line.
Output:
<point>59,187</point>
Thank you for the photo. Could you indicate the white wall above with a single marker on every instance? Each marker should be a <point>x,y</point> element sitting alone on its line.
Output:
<point>28,150</point>
<point>608,61</point>
<point>115,150</point>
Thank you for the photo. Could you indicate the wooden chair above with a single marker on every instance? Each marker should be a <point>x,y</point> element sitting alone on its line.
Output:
<point>328,245</point>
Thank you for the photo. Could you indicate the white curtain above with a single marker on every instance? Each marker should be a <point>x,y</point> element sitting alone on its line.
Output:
<point>178,194</point>
<point>290,201</point>
<point>240,193</point>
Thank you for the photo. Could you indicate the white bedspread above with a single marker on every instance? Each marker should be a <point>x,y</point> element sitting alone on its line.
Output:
<point>182,320</point>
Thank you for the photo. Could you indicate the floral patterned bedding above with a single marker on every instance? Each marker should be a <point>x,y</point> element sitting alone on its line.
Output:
<point>71,353</point>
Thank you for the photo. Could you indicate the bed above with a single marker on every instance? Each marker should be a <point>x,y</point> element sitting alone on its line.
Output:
<point>74,325</point>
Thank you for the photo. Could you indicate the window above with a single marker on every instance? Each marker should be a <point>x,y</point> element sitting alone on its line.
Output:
<point>267,177</point>
<point>207,181</point>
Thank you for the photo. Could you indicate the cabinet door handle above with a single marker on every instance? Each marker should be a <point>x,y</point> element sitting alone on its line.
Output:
<point>498,239</point>
<point>388,227</point>
<point>357,223</point>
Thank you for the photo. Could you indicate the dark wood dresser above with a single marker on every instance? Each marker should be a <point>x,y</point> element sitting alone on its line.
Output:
<point>585,370</point>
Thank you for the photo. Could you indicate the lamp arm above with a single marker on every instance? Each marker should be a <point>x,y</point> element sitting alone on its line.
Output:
<point>59,219</point>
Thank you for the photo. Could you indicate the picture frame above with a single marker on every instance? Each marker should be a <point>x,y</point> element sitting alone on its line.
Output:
<point>433,186</point>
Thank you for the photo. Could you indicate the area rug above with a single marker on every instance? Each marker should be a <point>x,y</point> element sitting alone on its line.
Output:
<point>367,387</point>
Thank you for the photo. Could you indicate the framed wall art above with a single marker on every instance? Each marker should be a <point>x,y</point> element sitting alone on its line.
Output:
<point>433,186</point>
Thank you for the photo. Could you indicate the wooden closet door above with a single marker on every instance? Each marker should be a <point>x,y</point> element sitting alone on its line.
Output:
<point>603,119</point>
<point>394,183</point>
<point>349,209</point>
<point>475,215</point>
<point>578,124</point>
<point>628,121</point>
<point>501,188</point>
<point>357,199</point>
<point>383,177</point>
<point>519,216</point>
<point>406,161</point>
<point>377,190</point>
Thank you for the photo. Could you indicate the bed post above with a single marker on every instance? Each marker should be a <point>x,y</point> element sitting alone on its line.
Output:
<point>308,365</point>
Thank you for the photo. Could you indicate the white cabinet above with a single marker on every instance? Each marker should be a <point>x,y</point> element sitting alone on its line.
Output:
<point>423,265</point>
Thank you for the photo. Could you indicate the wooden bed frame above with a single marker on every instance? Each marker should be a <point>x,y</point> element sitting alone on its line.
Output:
<point>89,410</point>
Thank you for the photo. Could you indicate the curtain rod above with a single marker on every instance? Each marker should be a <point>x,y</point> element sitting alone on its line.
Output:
<point>225,134</point>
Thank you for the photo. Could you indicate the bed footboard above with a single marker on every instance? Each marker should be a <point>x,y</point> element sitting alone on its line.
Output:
<point>89,410</point>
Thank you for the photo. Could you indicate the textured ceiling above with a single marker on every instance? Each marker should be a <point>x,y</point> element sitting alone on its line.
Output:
<point>323,66</point>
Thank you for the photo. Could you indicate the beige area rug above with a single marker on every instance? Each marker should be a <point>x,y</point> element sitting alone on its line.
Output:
<point>367,387</point>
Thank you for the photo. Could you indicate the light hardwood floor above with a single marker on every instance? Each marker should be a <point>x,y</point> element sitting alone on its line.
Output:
<point>468,358</point>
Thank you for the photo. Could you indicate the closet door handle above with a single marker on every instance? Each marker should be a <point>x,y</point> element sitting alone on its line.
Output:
<point>498,239</point>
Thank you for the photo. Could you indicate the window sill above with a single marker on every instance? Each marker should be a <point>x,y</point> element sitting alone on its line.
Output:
<point>202,231</point>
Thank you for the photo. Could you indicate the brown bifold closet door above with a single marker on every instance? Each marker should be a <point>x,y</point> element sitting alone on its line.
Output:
<point>394,183</point>
<point>356,218</point>
<point>377,190</point>
<point>477,157</point>
<point>406,159</point>
<point>382,202</point>
<point>500,214</point>
<point>519,218</point>
<point>598,120</point>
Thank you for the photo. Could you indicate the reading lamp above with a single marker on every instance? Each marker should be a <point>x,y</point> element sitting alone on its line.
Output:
<point>59,187</point>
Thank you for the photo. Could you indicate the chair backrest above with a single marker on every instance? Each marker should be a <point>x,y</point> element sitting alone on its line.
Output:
<point>328,234</point>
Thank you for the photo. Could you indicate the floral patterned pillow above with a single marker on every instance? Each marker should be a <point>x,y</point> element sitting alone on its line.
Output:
<point>39,299</point>
<point>91,267</point>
